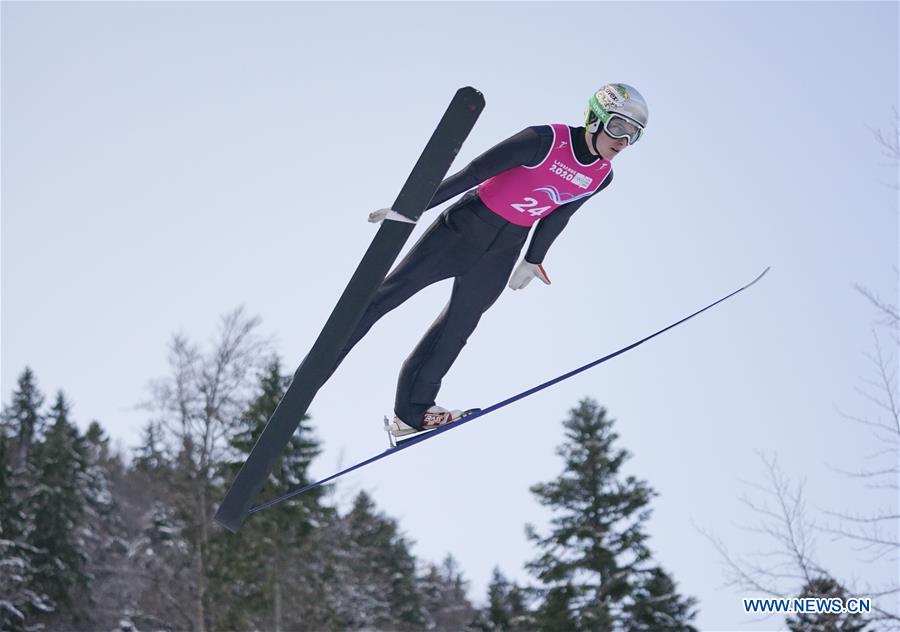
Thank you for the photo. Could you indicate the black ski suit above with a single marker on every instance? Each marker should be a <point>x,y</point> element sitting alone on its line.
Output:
<point>476,247</point>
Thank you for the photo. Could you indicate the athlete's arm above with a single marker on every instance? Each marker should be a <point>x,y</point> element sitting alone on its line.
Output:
<point>528,147</point>
<point>549,228</point>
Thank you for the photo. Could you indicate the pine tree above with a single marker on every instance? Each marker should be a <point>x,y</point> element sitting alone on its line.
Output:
<point>558,612</point>
<point>444,593</point>
<point>592,561</point>
<point>22,420</point>
<point>261,576</point>
<point>507,610</point>
<point>12,516</point>
<point>825,587</point>
<point>150,457</point>
<point>57,506</point>
<point>656,605</point>
<point>21,424</point>
<point>18,600</point>
<point>162,553</point>
<point>159,564</point>
<point>101,466</point>
<point>370,561</point>
<point>105,537</point>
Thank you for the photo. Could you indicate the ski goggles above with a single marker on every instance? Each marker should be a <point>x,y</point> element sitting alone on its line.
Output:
<point>617,126</point>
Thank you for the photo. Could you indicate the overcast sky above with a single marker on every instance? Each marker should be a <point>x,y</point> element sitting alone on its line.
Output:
<point>163,163</point>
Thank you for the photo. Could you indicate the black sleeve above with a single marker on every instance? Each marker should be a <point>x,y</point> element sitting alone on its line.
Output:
<point>549,228</point>
<point>528,147</point>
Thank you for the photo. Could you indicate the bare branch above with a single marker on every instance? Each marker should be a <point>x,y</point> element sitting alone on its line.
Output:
<point>889,141</point>
<point>890,438</point>
<point>857,518</point>
<point>787,525</point>
<point>737,574</point>
<point>890,145</point>
<point>889,313</point>
<point>865,473</point>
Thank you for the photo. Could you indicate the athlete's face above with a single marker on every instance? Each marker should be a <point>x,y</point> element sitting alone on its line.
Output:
<point>607,147</point>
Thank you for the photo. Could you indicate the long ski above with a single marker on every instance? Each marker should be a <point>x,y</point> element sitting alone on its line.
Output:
<point>414,197</point>
<point>476,413</point>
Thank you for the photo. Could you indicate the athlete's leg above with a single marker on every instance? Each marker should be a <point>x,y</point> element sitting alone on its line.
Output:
<point>473,293</point>
<point>444,251</point>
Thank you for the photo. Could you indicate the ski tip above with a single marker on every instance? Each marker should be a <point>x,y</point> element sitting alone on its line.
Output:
<point>753,282</point>
<point>471,96</point>
<point>761,275</point>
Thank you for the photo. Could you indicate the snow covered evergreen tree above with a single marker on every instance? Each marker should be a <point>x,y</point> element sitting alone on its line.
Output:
<point>593,562</point>
<point>162,556</point>
<point>150,455</point>
<point>656,606</point>
<point>104,537</point>
<point>264,576</point>
<point>158,570</point>
<point>22,419</point>
<point>21,423</point>
<point>558,611</point>
<point>57,506</point>
<point>824,587</point>
<point>370,572</point>
<point>18,599</point>
<point>507,609</point>
<point>445,599</point>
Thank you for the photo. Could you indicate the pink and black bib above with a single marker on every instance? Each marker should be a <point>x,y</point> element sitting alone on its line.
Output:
<point>523,195</point>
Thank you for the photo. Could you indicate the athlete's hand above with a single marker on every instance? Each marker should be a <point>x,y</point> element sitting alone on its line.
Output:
<point>525,272</point>
<point>378,216</point>
<point>385,213</point>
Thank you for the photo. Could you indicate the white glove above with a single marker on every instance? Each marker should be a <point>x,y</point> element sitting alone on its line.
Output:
<point>525,272</point>
<point>385,213</point>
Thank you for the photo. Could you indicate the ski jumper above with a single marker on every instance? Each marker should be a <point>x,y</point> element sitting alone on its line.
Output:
<point>541,175</point>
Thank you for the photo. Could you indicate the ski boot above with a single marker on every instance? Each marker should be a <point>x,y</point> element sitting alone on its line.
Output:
<point>434,417</point>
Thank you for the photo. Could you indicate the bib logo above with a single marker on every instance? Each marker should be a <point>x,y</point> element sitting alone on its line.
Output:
<point>562,145</point>
<point>567,173</point>
<point>581,180</point>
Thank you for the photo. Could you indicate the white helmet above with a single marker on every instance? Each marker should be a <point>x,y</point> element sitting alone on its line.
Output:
<point>619,110</point>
